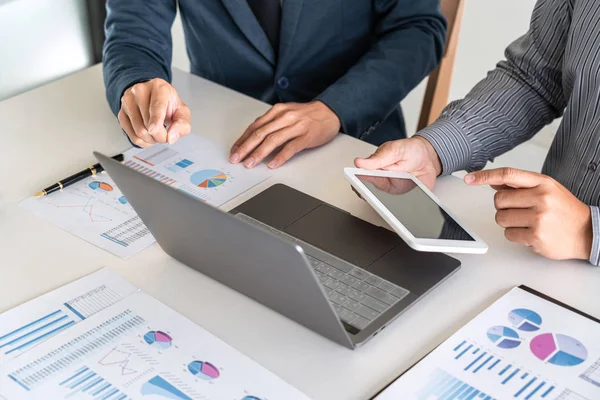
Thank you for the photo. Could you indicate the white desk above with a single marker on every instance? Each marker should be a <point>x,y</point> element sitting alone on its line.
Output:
<point>51,132</point>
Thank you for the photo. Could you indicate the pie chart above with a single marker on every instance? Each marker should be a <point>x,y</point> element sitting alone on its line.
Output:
<point>158,339</point>
<point>208,178</point>
<point>525,320</point>
<point>100,186</point>
<point>503,337</point>
<point>204,370</point>
<point>557,349</point>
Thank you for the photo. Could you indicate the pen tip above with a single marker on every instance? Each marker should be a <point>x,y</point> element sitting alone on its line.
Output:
<point>39,194</point>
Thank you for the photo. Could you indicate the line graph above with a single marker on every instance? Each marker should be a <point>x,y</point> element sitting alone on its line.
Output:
<point>86,208</point>
<point>119,358</point>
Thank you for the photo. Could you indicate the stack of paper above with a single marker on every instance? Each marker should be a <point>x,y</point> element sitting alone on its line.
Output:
<point>100,338</point>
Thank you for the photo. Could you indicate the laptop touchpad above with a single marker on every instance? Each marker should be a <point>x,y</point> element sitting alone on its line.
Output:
<point>344,235</point>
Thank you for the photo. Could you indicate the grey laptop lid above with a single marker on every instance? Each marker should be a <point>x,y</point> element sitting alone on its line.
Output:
<point>249,260</point>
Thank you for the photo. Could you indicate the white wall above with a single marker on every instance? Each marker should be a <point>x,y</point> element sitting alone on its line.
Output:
<point>41,40</point>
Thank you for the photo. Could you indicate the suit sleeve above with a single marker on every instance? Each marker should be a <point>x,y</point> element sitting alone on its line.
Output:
<point>516,100</point>
<point>408,44</point>
<point>138,44</point>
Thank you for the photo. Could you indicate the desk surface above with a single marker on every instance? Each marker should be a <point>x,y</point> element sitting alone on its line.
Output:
<point>51,131</point>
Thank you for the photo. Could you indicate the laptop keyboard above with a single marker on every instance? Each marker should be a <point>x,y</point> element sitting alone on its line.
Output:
<point>357,296</point>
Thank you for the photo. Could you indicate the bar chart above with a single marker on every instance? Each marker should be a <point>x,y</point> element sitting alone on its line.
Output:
<point>444,386</point>
<point>526,385</point>
<point>72,352</point>
<point>85,383</point>
<point>32,333</point>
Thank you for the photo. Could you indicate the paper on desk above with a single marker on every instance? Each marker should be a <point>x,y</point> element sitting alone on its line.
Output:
<point>34,322</point>
<point>139,349</point>
<point>521,347</point>
<point>96,210</point>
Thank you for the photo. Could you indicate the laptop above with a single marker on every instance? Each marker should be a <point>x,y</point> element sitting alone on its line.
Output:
<point>318,265</point>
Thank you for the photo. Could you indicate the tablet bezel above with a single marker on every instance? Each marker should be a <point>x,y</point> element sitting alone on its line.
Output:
<point>478,246</point>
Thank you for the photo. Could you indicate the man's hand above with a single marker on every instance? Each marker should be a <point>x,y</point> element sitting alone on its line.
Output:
<point>539,212</point>
<point>415,155</point>
<point>147,107</point>
<point>301,126</point>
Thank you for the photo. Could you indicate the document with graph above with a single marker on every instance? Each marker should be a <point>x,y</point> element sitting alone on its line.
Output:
<point>138,348</point>
<point>96,210</point>
<point>34,322</point>
<point>524,346</point>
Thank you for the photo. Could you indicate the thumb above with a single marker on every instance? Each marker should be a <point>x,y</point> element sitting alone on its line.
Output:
<point>180,123</point>
<point>386,155</point>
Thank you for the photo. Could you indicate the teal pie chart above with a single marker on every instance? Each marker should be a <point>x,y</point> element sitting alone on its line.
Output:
<point>503,337</point>
<point>525,320</point>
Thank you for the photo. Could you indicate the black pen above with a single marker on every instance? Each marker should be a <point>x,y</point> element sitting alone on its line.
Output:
<point>63,183</point>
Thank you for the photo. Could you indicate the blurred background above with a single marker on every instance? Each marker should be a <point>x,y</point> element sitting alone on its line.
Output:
<point>43,40</point>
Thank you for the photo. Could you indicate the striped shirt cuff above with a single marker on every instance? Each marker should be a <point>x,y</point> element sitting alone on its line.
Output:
<point>595,255</point>
<point>450,143</point>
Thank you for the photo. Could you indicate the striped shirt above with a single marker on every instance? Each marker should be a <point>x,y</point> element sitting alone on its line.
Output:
<point>551,71</point>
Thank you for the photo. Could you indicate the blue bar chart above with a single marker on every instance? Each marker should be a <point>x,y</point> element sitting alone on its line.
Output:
<point>476,359</point>
<point>444,386</point>
<point>61,359</point>
<point>34,332</point>
<point>85,383</point>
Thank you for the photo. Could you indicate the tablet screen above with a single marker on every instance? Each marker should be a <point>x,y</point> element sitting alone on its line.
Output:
<point>414,208</point>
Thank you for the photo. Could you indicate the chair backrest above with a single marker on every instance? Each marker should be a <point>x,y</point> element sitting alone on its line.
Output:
<point>438,85</point>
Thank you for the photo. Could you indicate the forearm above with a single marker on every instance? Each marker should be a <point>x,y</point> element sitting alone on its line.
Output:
<point>522,95</point>
<point>409,45</point>
<point>138,45</point>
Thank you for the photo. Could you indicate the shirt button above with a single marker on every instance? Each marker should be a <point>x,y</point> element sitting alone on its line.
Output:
<point>593,166</point>
<point>283,82</point>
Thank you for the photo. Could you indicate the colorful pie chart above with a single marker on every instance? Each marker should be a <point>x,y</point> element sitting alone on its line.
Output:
<point>208,178</point>
<point>503,337</point>
<point>557,349</point>
<point>101,186</point>
<point>525,320</point>
<point>158,339</point>
<point>204,370</point>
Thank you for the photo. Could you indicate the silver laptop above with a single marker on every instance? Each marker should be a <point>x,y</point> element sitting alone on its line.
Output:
<point>317,265</point>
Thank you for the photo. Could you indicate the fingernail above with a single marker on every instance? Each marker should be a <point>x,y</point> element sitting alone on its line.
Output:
<point>470,178</point>
<point>249,163</point>
<point>273,164</point>
<point>173,136</point>
<point>235,157</point>
<point>151,127</point>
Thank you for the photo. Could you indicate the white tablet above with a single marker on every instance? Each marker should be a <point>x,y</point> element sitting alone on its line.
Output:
<point>414,212</point>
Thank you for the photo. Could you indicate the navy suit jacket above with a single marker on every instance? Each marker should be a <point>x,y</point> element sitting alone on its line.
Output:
<point>359,57</point>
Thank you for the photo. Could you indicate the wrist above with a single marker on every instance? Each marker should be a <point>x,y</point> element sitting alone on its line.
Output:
<point>431,155</point>
<point>332,115</point>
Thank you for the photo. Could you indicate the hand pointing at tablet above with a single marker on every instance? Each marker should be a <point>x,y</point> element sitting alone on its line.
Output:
<point>537,211</point>
<point>415,155</point>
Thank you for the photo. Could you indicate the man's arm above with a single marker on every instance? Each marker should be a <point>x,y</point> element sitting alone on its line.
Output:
<point>138,45</point>
<point>409,44</point>
<point>517,99</point>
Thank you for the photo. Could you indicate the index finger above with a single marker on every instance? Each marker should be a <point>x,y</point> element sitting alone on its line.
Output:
<point>514,178</point>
